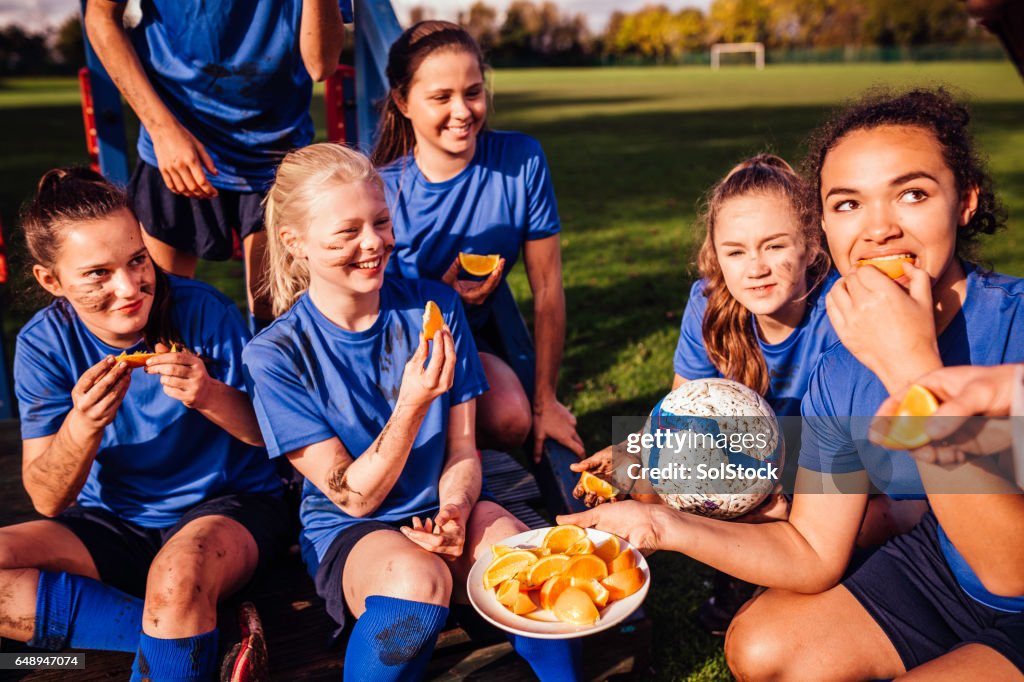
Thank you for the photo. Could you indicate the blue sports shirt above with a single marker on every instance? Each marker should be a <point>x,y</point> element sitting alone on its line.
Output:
<point>843,395</point>
<point>312,381</point>
<point>231,72</point>
<point>157,458</point>
<point>502,199</point>
<point>789,362</point>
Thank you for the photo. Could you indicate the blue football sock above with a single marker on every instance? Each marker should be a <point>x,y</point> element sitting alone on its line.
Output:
<point>189,659</point>
<point>393,639</point>
<point>554,660</point>
<point>76,612</point>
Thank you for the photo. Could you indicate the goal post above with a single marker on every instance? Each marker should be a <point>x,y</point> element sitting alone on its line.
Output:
<point>729,48</point>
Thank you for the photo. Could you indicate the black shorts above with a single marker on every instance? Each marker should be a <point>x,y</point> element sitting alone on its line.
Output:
<point>332,566</point>
<point>198,226</point>
<point>910,591</point>
<point>123,551</point>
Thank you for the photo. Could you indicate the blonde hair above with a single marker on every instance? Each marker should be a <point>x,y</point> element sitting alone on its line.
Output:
<point>300,181</point>
<point>728,332</point>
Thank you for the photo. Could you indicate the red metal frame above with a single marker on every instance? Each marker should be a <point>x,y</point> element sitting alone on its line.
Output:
<point>92,144</point>
<point>336,104</point>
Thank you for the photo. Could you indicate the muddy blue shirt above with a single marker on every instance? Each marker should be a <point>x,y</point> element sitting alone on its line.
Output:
<point>231,72</point>
<point>501,200</point>
<point>312,381</point>
<point>157,458</point>
<point>843,395</point>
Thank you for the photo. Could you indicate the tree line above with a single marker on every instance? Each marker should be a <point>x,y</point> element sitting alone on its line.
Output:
<point>541,33</point>
<point>532,31</point>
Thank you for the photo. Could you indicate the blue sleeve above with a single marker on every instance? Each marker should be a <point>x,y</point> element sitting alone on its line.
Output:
<point>826,444</point>
<point>542,209</point>
<point>216,322</point>
<point>691,359</point>
<point>469,381</point>
<point>346,10</point>
<point>42,386</point>
<point>288,416</point>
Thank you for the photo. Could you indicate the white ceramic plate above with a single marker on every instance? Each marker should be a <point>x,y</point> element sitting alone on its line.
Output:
<point>541,624</point>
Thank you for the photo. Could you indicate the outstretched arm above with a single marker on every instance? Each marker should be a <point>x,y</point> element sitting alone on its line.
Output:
<point>180,156</point>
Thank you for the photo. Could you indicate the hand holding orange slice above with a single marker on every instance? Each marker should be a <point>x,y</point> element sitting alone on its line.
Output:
<point>906,428</point>
<point>433,320</point>
<point>478,265</point>
<point>600,487</point>
<point>893,267</point>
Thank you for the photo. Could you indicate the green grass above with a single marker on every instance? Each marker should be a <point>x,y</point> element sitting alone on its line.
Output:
<point>631,153</point>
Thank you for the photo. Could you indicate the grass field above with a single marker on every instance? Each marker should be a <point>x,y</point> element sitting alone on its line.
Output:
<point>631,151</point>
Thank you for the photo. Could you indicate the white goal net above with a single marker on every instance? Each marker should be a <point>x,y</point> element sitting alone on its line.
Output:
<point>719,49</point>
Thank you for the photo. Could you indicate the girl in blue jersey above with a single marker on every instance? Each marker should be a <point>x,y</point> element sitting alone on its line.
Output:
<point>159,495</point>
<point>453,187</point>
<point>379,421</point>
<point>895,176</point>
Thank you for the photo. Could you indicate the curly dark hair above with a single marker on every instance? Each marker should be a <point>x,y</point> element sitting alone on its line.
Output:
<point>935,110</point>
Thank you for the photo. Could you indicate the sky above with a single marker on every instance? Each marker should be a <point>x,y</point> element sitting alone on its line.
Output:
<point>37,14</point>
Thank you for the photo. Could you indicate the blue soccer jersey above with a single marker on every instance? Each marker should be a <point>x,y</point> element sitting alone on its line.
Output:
<point>502,199</point>
<point>790,362</point>
<point>312,381</point>
<point>157,458</point>
<point>232,74</point>
<point>844,394</point>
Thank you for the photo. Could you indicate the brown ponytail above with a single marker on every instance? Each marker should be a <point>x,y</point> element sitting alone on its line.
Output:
<point>72,195</point>
<point>728,330</point>
<point>395,137</point>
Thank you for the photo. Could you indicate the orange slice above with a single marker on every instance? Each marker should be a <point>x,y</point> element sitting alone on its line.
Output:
<point>507,566</point>
<point>586,566</point>
<point>523,604</point>
<point>561,538</point>
<point>546,568</point>
<point>624,583</point>
<point>501,550</point>
<point>552,588</point>
<point>584,546</point>
<point>508,592</point>
<point>608,550</point>
<point>432,320</point>
<point>575,607</point>
<point>597,592</point>
<point>625,560</point>
<point>478,265</point>
<point>139,357</point>
<point>893,267</point>
<point>600,487</point>
<point>906,430</point>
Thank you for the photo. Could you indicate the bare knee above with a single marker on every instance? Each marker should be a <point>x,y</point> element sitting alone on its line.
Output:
<point>178,581</point>
<point>506,422</point>
<point>754,648</point>
<point>418,577</point>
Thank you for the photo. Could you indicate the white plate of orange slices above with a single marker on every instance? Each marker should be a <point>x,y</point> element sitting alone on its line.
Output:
<point>558,582</point>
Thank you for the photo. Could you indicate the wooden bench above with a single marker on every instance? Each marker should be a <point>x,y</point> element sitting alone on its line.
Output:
<point>298,628</point>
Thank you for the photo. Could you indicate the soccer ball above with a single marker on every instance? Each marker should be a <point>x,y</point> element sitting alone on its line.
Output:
<point>712,447</point>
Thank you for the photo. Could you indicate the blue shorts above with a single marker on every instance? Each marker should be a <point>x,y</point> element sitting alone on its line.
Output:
<point>910,591</point>
<point>202,227</point>
<point>123,551</point>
